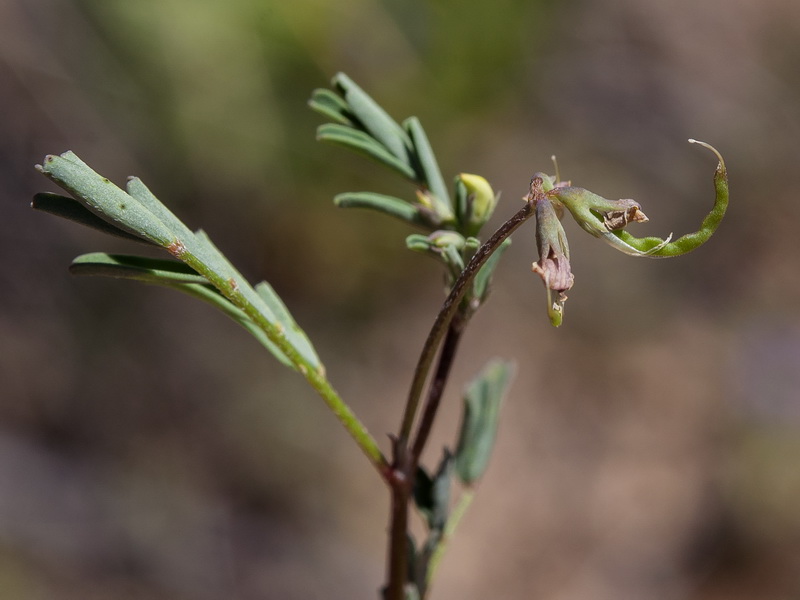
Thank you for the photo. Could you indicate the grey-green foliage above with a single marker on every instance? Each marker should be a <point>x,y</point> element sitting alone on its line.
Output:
<point>451,226</point>
<point>207,274</point>
<point>364,127</point>
<point>482,402</point>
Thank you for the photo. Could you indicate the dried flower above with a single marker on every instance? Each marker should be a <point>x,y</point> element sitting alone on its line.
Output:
<point>553,265</point>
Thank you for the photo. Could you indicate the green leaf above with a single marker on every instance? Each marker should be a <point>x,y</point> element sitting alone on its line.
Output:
<point>479,425</point>
<point>140,268</point>
<point>331,105</point>
<point>364,144</point>
<point>483,279</point>
<point>70,209</point>
<point>294,334</point>
<point>430,169</point>
<point>220,264</point>
<point>375,120</point>
<point>263,298</point>
<point>105,199</point>
<point>230,291</point>
<point>138,190</point>
<point>141,214</point>
<point>259,299</point>
<point>171,274</point>
<point>442,245</point>
<point>215,298</point>
<point>389,205</point>
<point>416,242</point>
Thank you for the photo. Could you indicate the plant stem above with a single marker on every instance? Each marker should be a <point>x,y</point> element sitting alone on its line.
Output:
<point>449,309</point>
<point>397,566</point>
<point>436,388</point>
<point>403,470</point>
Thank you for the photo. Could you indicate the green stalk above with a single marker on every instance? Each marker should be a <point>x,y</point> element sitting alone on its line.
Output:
<point>448,311</point>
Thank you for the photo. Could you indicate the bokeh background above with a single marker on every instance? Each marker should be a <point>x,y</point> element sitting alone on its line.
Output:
<point>649,449</point>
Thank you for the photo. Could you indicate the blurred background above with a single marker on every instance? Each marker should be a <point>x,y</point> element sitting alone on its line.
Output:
<point>649,448</point>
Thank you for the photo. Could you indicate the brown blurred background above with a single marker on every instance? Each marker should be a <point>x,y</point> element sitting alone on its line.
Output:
<point>649,448</point>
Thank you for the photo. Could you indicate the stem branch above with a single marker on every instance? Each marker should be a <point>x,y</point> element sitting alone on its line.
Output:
<point>436,388</point>
<point>448,310</point>
<point>403,470</point>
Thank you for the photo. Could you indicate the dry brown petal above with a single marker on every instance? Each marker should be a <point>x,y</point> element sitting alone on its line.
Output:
<point>618,219</point>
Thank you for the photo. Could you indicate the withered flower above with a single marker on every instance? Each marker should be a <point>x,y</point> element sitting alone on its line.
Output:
<point>553,265</point>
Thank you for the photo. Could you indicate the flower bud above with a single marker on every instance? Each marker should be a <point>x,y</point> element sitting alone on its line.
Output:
<point>476,201</point>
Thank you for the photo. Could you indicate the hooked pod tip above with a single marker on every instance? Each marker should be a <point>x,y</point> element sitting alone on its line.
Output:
<point>710,147</point>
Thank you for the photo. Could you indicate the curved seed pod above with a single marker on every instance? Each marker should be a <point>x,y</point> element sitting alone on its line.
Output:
<point>606,218</point>
<point>690,241</point>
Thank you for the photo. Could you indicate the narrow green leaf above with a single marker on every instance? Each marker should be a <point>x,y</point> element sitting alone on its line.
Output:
<point>141,214</point>
<point>452,257</point>
<point>230,291</point>
<point>71,209</point>
<point>375,120</point>
<point>174,275</point>
<point>212,296</point>
<point>140,268</point>
<point>483,279</point>
<point>362,143</point>
<point>138,190</point>
<point>264,299</point>
<point>479,425</point>
<point>331,105</point>
<point>416,242</point>
<point>294,334</point>
<point>105,199</point>
<point>389,205</point>
<point>471,244</point>
<point>220,264</point>
<point>444,245</point>
<point>430,168</point>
